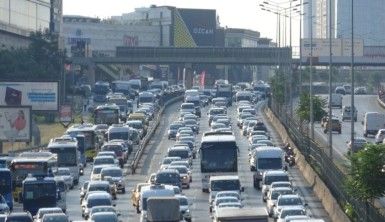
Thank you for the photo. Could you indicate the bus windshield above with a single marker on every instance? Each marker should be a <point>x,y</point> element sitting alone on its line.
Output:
<point>118,135</point>
<point>106,116</point>
<point>269,163</point>
<point>66,156</point>
<point>21,170</point>
<point>219,157</point>
<point>39,191</point>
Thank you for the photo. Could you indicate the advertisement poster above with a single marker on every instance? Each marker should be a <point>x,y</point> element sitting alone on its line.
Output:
<point>15,123</point>
<point>41,96</point>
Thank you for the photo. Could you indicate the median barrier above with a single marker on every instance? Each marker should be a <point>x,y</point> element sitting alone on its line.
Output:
<point>320,189</point>
<point>150,133</point>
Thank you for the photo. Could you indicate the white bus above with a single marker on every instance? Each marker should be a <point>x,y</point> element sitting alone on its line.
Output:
<point>68,155</point>
<point>219,156</point>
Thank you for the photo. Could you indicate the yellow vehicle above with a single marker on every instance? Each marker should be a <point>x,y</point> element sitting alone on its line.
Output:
<point>138,116</point>
<point>135,196</point>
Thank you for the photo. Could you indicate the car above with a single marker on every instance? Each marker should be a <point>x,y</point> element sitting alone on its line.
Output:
<point>105,160</point>
<point>65,173</point>
<point>340,90</point>
<point>183,152</point>
<point>258,132</point>
<point>4,208</point>
<point>168,177</point>
<point>360,90</point>
<point>46,210</point>
<point>183,163</point>
<point>101,186</point>
<point>151,179</point>
<point>184,207</point>
<point>19,217</point>
<point>95,199</point>
<point>347,113</point>
<point>98,209</point>
<point>380,136</point>
<point>96,171</point>
<point>184,174</point>
<point>359,143</point>
<point>116,175</point>
<point>271,176</point>
<point>227,193</point>
<point>173,129</point>
<point>55,217</point>
<point>220,200</point>
<point>256,138</point>
<point>336,125</point>
<point>348,88</point>
<point>3,217</point>
<point>104,216</point>
<point>167,160</point>
<point>135,194</point>
<point>291,211</point>
<point>287,200</point>
<point>297,218</point>
<point>272,196</point>
<point>193,124</point>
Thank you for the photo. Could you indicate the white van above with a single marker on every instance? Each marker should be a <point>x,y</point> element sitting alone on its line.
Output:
<point>336,100</point>
<point>373,121</point>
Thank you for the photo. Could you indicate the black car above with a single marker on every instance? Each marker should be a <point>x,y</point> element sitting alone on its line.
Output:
<point>19,217</point>
<point>168,177</point>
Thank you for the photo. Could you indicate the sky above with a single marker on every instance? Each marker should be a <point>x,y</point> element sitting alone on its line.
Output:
<point>233,14</point>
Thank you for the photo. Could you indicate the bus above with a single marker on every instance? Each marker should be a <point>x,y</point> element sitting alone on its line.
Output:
<point>5,161</point>
<point>92,138</point>
<point>100,91</point>
<point>68,155</point>
<point>219,156</point>
<point>122,102</point>
<point>39,192</point>
<point>6,186</point>
<point>107,114</point>
<point>34,163</point>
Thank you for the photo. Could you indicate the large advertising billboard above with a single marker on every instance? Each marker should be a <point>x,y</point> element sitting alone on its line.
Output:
<point>201,24</point>
<point>15,123</point>
<point>340,47</point>
<point>42,96</point>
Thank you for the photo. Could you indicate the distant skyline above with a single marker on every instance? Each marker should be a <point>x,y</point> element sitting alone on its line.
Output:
<point>244,14</point>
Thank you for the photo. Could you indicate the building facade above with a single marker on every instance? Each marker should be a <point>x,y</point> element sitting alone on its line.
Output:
<point>369,20</point>
<point>20,17</point>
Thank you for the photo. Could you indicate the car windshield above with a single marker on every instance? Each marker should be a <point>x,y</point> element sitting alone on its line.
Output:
<point>184,154</point>
<point>103,218</point>
<point>269,179</point>
<point>62,172</point>
<point>99,187</point>
<point>102,209</point>
<point>97,170</point>
<point>269,163</point>
<point>289,201</point>
<point>219,185</point>
<point>92,202</point>
<point>181,170</point>
<point>99,161</point>
<point>55,218</point>
<point>112,172</point>
<point>167,178</point>
<point>275,194</point>
<point>183,201</point>
<point>174,127</point>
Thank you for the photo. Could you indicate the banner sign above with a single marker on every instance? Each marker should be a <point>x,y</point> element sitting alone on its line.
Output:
<point>15,123</point>
<point>43,96</point>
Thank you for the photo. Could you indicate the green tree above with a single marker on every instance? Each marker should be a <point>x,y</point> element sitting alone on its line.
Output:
<point>278,88</point>
<point>366,179</point>
<point>42,60</point>
<point>303,110</point>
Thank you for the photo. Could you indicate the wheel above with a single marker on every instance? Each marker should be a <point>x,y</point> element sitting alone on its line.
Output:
<point>325,131</point>
<point>188,186</point>
<point>124,190</point>
<point>355,119</point>
<point>339,132</point>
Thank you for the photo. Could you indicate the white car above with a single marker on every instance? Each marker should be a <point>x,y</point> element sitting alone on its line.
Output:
<point>184,207</point>
<point>225,194</point>
<point>380,136</point>
<point>290,200</point>
<point>47,210</point>
<point>273,195</point>
<point>291,211</point>
<point>220,200</point>
<point>65,174</point>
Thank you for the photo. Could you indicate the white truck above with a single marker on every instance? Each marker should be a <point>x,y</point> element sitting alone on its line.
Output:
<point>160,209</point>
<point>336,100</point>
<point>153,191</point>
<point>373,121</point>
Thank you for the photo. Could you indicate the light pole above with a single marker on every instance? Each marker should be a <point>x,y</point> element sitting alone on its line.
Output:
<point>352,77</point>
<point>330,81</point>
<point>311,72</point>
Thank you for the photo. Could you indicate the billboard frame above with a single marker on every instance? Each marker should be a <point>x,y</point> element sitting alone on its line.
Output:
<point>29,108</point>
<point>58,98</point>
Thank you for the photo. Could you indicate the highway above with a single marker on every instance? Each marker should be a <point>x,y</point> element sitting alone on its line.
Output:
<point>155,152</point>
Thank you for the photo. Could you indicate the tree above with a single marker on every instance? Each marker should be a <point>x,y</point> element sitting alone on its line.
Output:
<point>278,88</point>
<point>303,110</point>
<point>366,180</point>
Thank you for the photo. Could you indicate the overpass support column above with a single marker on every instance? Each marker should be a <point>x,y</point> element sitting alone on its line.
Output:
<point>226,72</point>
<point>189,75</point>
<point>91,73</point>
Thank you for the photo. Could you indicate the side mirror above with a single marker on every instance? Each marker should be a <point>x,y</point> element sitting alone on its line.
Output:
<point>242,189</point>
<point>285,168</point>
<point>306,205</point>
<point>114,204</point>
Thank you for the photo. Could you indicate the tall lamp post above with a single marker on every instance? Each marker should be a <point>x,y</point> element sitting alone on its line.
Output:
<point>330,81</point>
<point>352,76</point>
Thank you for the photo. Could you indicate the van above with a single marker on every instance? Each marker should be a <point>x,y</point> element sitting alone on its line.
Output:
<point>373,121</point>
<point>336,100</point>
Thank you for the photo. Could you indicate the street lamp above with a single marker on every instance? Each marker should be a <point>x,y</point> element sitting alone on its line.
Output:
<point>352,75</point>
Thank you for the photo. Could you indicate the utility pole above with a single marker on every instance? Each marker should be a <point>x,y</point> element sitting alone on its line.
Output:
<point>330,81</point>
<point>352,76</point>
<point>311,72</point>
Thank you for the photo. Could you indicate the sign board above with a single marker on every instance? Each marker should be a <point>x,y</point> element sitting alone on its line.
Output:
<point>340,47</point>
<point>65,115</point>
<point>15,123</point>
<point>42,96</point>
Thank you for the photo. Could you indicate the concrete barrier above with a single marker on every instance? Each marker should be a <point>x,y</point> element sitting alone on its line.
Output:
<point>320,189</point>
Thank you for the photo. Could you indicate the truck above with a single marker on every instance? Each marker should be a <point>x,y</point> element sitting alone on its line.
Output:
<point>226,91</point>
<point>373,121</point>
<point>163,209</point>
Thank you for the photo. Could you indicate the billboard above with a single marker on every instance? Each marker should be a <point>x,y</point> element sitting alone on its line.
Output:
<point>15,123</point>
<point>42,96</point>
<point>201,24</point>
<point>340,47</point>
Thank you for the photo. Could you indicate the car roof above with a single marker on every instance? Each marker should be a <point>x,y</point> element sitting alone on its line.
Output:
<point>276,173</point>
<point>224,177</point>
<point>97,195</point>
<point>289,196</point>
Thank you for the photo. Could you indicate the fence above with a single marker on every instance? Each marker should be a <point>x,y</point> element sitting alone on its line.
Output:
<point>331,175</point>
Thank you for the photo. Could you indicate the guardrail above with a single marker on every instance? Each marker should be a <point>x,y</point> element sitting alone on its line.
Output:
<point>150,133</point>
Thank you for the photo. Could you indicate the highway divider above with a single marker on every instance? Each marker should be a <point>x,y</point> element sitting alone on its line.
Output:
<point>150,133</point>
<point>319,187</point>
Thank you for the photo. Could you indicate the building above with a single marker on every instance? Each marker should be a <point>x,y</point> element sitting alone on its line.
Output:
<point>369,20</point>
<point>18,18</point>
